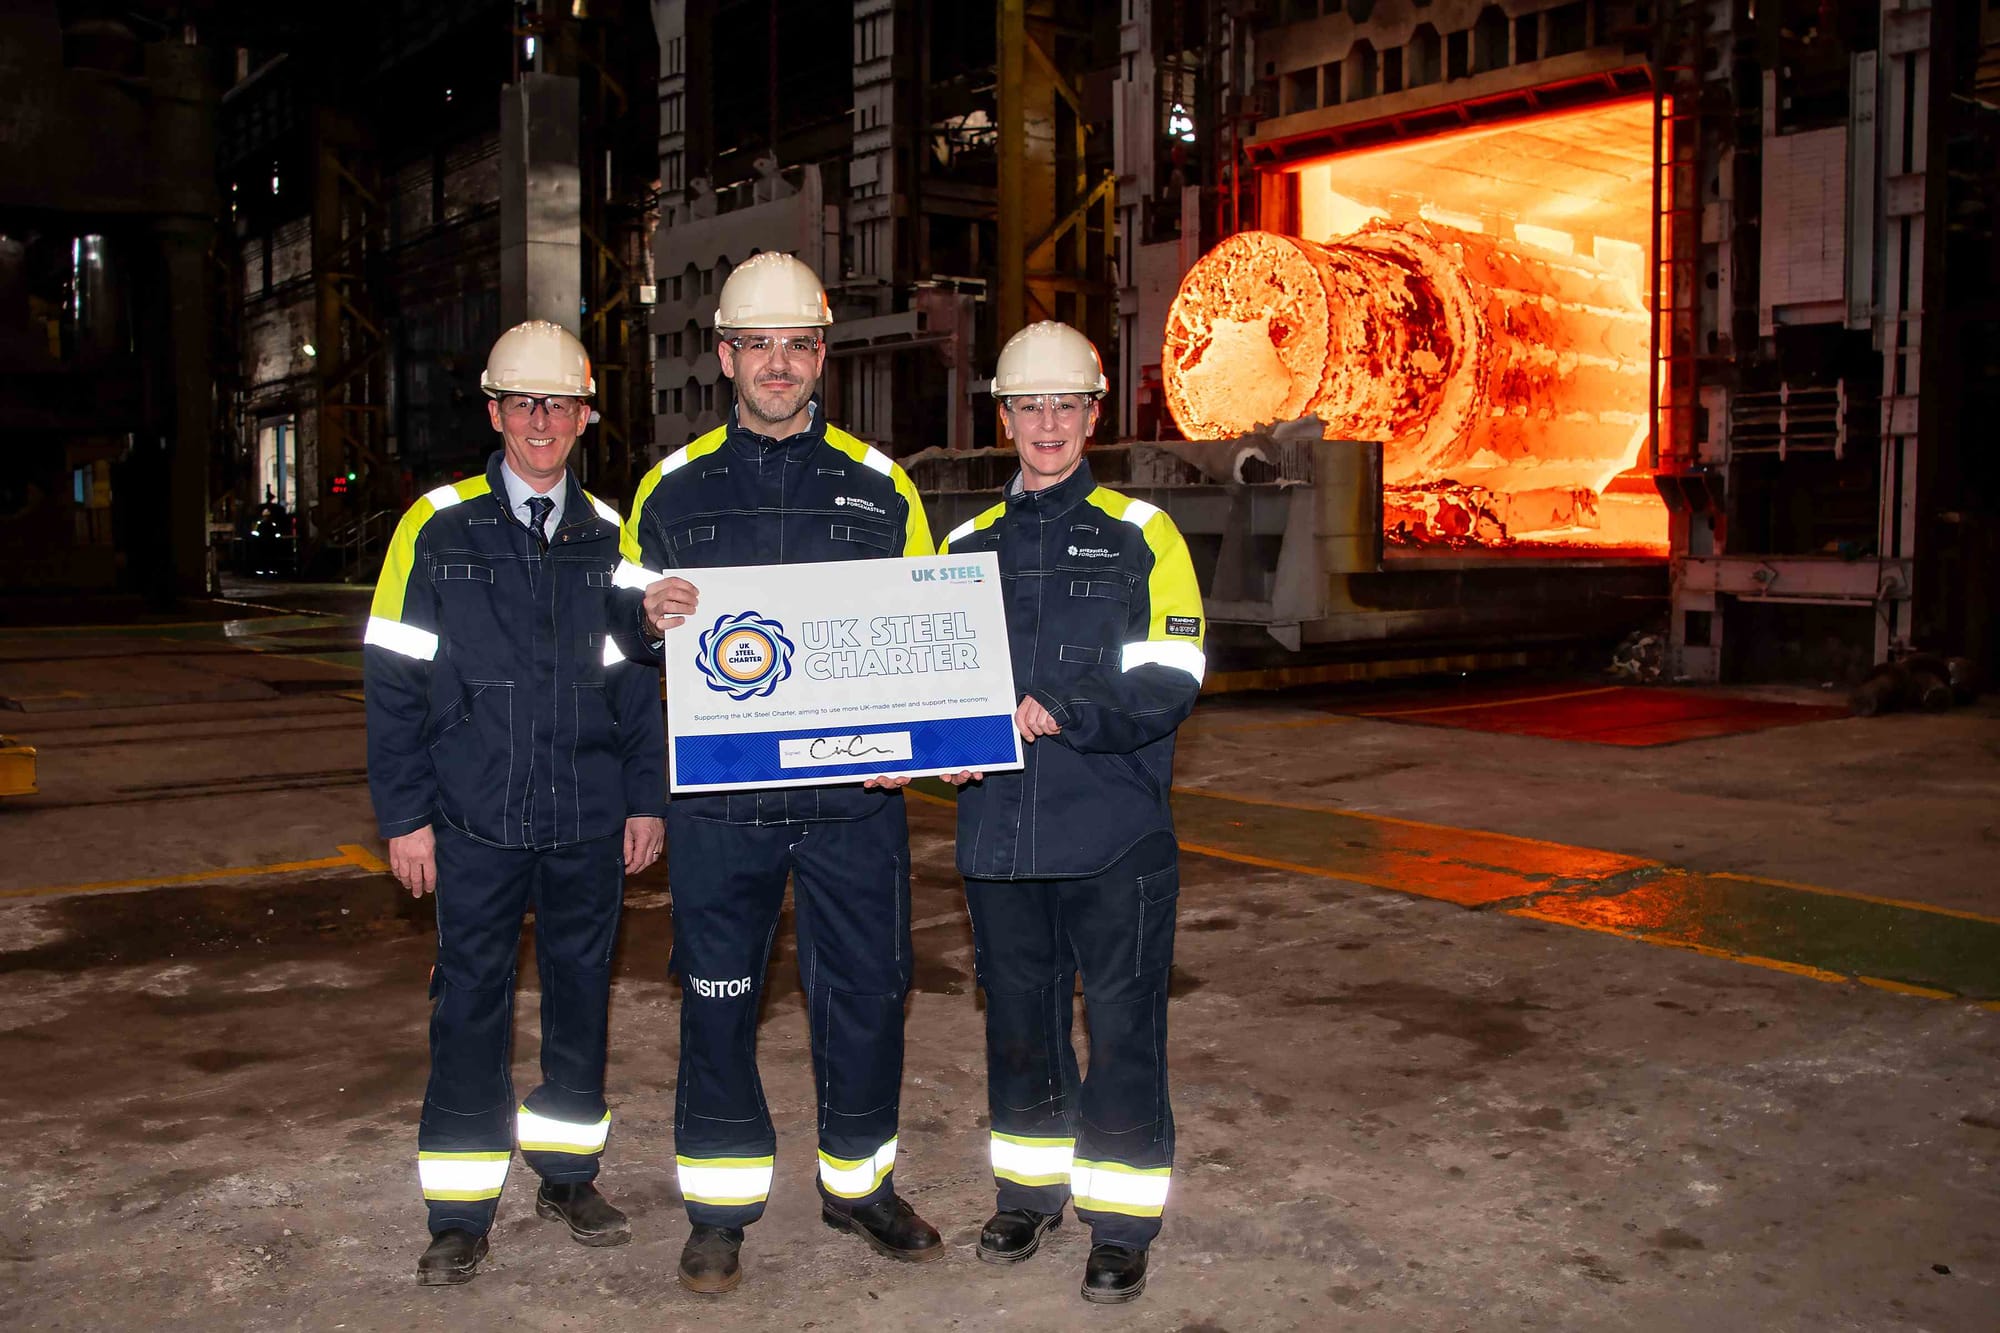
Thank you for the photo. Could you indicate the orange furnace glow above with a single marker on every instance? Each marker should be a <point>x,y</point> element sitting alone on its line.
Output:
<point>1476,301</point>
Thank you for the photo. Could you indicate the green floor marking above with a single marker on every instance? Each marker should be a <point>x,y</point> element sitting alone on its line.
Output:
<point>1851,936</point>
<point>1754,920</point>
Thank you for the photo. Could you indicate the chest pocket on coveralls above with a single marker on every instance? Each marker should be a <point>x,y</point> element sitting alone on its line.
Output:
<point>689,536</point>
<point>583,604</point>
<point>875,536</point>
<point>1094,619</point>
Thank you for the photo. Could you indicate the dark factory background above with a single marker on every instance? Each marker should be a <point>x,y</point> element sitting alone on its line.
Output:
<point>252,256</point>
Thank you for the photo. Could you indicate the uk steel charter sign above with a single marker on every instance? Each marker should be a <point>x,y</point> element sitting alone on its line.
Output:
<point>804,675</point>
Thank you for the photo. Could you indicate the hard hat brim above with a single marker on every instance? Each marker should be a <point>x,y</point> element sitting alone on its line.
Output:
<point>771,322</point>
<point>539,389</point>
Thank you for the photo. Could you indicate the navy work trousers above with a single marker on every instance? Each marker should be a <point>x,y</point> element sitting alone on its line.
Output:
<point>851,895</point>
<point>1105,1142</point>
<point>471,1121</point>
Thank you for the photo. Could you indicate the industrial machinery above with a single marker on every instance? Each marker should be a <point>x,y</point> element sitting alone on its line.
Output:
<point>1615,286</point>
<point>1639,310</point>
<point>1504,370</point>
<point>17,768</point>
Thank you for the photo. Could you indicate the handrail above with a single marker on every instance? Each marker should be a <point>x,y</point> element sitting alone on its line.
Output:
<point>358,537</point>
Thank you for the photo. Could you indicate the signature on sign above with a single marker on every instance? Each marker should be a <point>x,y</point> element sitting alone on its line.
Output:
<point>843,747</point>
<point>848,747</point>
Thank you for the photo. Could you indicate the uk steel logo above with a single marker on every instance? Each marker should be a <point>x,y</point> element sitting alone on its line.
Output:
<point>744,656</point>
<point>948,574</point>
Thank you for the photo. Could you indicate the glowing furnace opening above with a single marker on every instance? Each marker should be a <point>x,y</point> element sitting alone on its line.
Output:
<point>1476,301</point>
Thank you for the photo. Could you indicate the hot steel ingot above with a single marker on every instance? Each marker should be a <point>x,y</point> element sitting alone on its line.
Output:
<point>1473,358</point>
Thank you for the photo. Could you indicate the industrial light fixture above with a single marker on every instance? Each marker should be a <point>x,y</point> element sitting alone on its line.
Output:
<point>1180,125</point>
<point>309,349</point>
<point>530,46</point>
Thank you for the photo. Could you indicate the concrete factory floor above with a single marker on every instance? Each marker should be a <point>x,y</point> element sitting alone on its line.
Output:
<point>1432,1070</point>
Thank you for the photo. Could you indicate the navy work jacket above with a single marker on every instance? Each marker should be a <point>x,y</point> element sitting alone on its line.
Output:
<point>734,497</point>
<point>498,697</point>
<point>1105,622</point>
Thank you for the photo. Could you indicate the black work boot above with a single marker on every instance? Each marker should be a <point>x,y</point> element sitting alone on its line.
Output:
<point>1114,1275</point>
<point>453,1257</point>
<point>591,1218</point>
<point>891,1226</point>
<point>708,1260</point>
<point>1013,1234</point>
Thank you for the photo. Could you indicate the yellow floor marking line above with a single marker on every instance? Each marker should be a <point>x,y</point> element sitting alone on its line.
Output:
<point>1627,863</point>
<point>1905,988</point>
<point>1294,867</point>
<point>1245,858</point>
<point>343,861</point>
<point>1495,703</point>
<point>1708,950</point>
<point>364,858</point>
<point>1639,862</point>
<point>1857,897</point>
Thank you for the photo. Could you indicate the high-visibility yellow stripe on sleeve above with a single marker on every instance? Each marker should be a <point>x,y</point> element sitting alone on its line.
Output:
<point>400,561</point>
<point>541,1133</point>
<point>628,536</point>
<point>462,1176</point>
<point>917,529</point>
<point>1113,1187</point>
<point>1175,629</point>
<point>856,1178</point>
<point>724,1182</point>
<point>392,586</point>
<point>1032,1161</point>
<point>984,519</point>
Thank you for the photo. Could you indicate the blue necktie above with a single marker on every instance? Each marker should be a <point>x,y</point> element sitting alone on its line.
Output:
<point>541,507</point>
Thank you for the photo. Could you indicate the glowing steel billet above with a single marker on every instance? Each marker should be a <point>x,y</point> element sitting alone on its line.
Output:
<point>1471,357</point>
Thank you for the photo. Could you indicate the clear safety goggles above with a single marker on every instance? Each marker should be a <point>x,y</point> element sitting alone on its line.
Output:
<point>1064,407</point>
<point>555,406</point>
<point>757,344</point>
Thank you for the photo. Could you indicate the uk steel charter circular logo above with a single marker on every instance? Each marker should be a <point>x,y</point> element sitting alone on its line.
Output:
<point>745,655</point>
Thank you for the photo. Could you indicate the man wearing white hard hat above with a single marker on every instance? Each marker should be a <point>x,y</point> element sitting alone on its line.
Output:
<point>515,758</point>
<point>1070,864</point>
<point>777,485</point>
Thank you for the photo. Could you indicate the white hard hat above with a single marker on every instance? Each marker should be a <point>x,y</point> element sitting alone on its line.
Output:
<point>772,291</point>
<point>1048,358</point>
<point>539,358</point>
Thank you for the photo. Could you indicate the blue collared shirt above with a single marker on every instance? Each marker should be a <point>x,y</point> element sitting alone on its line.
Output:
<point>518,492</point>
